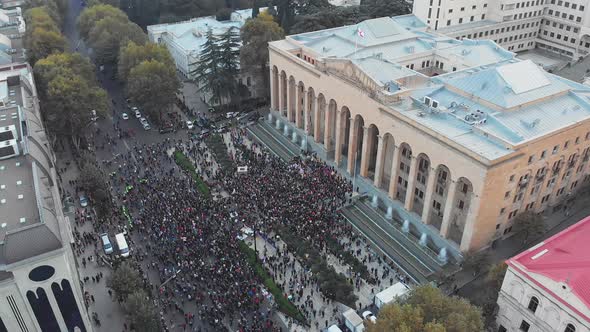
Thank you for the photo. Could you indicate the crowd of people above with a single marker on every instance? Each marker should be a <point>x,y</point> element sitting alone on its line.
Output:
<point>190,243</point>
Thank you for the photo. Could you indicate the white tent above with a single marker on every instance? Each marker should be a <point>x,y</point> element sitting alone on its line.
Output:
<point>389,294</point>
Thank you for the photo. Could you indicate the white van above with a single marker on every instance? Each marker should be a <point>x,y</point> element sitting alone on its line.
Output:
<point>106,243</point>
<point>122,244</point>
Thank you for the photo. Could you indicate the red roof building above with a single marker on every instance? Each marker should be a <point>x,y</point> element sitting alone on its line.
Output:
<point>547,287</point>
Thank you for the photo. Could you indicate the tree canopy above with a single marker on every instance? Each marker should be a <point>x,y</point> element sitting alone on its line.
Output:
<point>94,183</point>
<point>125,281</point>
<point>108,34</point>
<point>142,312</point>
<point>92,15</point>
<point>531,225</point>
<point>256,33</point>
<point>152,85</point>
<point>43,36</point>
<point>427,309</point>
<point>133,54</point>
<point>68,91</point>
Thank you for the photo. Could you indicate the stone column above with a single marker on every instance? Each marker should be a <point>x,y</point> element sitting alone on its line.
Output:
<point>469,229</point>
<point>449,207</point>
<point>300,107</point>
<point>352,144</point>
<point>339,138</point>
<point>327,128</point>
<point>281,95</point>
<point>291,105</point>
<point>379,162</point>
<point>306,122</point>
<point>430,183</point>
<point>409,202</point>
<point>316,122</point>
<point>365,153</point>
<point>273,99</point>
<point>394,172</point>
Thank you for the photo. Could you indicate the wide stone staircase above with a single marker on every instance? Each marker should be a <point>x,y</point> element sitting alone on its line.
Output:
<point>417,261</point>
<point>264,134</point>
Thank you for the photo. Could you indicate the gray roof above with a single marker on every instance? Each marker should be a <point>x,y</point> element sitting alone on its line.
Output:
<point>29,216</point>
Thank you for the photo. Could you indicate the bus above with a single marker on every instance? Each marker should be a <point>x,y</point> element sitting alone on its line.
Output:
<point>122,244</point>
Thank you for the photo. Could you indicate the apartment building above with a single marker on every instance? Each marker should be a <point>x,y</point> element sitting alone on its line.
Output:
<point>456,136</point>
<point>558,26</point>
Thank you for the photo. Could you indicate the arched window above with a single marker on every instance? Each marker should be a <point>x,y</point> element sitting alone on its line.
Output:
<point>570,328</point>
<point>533,304</point>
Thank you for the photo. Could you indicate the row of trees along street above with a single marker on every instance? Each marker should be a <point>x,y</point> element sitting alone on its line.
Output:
<point>146,69</point>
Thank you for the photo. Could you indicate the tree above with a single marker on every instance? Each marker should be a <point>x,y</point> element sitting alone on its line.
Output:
<point>92,15</point>
<point>208,69</point>
<point>142,312</point>
<point>108,34</point>
<point>491,289</point>
<point>43,43</point>
<point>476,261</point>
<point>223,14</point>
<point>125,280</point>
<point>70,100</point>
<point>94,183</point>
<point>133,54</point>
<point>43,36</point>
<point>256,34</point>
<point>57,64</point>
<point>530,225</point>
<point>229,50</point>
<point>153,86</point>
<point>427,309</point>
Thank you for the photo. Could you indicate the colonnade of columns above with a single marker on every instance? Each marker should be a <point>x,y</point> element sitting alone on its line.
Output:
<point>338,131</point>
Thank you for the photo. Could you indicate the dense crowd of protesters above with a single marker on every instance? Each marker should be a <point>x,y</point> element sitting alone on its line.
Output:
<point>191,242</point>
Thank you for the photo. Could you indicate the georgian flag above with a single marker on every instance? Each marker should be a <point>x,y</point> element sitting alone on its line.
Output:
<point>360,32</point>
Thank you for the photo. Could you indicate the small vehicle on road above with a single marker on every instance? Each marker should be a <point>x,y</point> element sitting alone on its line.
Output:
<point>189,125</point>
<point>136,111</point>
<point>83,201</point>
<point>367,315</point>
<point>106,243</point>
<point>124,116</point>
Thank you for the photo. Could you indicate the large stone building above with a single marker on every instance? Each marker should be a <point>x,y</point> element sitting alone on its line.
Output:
<point>559,26</point>
<point>40,288</point>
<point>546,287</point>
<point>456,136</point>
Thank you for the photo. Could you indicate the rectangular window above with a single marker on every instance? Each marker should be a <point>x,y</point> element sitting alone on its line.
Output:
<point>524,326</point>
<point>543,154</point>
<point>450,11</point>
<point>448,22</point>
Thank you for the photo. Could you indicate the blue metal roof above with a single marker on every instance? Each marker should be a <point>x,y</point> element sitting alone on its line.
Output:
<point>490,108</point>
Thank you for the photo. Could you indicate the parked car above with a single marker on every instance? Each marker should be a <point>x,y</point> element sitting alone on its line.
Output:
<point>189,125</point>
<point>136,111</point>
<point>106,243</point>
<point>146,126</point>
<point>230,115</point>
<point>83,201</point>
<point>124,116</point>
<point>167,127</point>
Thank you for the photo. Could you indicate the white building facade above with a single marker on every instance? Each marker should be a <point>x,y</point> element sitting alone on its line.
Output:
<point>40,288</point>
<point>558,26</point>
<point>545,287</point>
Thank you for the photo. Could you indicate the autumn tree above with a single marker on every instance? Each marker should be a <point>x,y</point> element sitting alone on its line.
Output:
<point>43,36</point>
<point>142,312</point>
<point>57,64</point>
<point>531,225</point>
<point>94,182</point>
<point>256,34</point>
<point>427,309</point>
<point>92,15</point>
<point>125,280</point>
<point>152,85</point>
<point>108,34</point>
<point>133,54</point>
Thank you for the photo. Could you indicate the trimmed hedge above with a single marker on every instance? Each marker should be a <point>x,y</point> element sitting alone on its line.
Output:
<point>333,285</point>
<point>187,165</point>
<point>284,304</point>
<point>357,266</point>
